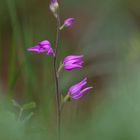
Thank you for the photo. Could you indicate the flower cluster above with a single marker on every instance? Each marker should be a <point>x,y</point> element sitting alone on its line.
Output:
<point>70,62</point>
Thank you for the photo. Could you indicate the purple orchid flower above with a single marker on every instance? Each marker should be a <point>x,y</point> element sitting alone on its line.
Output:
<point>42,47</point>
<point>76,91</point>
<point>68,22</point>
<point>73,62</point>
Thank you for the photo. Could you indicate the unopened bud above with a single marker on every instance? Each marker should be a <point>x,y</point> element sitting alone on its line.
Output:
<point>54,6</point>
<point>67,23</point>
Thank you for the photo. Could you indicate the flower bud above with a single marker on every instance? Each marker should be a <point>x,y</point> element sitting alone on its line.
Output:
<point>54,6</point>
<point>67,23</point>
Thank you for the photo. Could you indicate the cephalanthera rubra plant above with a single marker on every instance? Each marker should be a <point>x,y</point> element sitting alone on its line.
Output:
<point>70,62</point>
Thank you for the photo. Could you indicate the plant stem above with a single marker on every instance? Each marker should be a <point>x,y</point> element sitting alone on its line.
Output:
<point>20,114</point>
<point>58,95</point>
<point>66,98</point>
<point>59,69</point>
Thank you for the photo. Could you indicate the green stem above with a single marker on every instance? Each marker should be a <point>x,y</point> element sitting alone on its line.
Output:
<point>66,98</point>
<point>58,95</point>
<point>62,27</point>
<point>60,68</point>
<point>20,114</point>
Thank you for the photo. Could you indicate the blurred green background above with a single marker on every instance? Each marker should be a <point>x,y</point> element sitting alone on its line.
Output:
<point>107,33</point>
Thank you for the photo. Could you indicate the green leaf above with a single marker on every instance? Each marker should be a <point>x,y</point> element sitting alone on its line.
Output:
<point>28,106</point>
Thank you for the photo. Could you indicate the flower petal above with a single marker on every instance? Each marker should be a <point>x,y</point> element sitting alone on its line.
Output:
<point>77,87</point>
<point>34,49</point>
<point>85,90</point>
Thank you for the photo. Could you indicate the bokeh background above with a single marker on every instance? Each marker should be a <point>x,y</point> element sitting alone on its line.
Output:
<point>107,33</point>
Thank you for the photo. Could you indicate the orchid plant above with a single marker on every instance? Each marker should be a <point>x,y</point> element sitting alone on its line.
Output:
<point>70,62</point>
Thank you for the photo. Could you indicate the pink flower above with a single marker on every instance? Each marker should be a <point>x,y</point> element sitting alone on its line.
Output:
<point>42,47</point>
<point>73,62</point>
<point>77,90</point>
<point>68,22</point>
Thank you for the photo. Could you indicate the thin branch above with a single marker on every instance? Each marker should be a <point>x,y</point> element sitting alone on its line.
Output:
<point>58,95</point>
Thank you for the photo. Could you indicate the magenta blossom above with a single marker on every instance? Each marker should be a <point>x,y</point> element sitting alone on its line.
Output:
<point>42,47</point>
<point>76,91</point>
<point>68,22</point>
<point>73,62</point>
